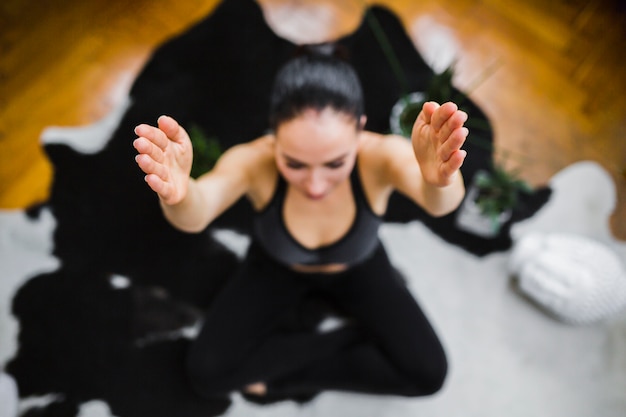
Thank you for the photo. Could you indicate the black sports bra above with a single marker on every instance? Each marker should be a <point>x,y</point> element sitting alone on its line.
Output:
<point>271,234</point>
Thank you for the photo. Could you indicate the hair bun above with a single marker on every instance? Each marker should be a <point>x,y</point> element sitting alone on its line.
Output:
<point>329,49</point>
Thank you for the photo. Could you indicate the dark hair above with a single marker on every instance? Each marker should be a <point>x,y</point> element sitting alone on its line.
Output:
<point>316,78</point>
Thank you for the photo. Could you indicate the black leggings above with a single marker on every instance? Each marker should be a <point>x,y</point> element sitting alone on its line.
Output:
<point>388,347</point>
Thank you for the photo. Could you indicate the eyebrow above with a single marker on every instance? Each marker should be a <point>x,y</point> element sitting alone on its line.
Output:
<point>294,160</point>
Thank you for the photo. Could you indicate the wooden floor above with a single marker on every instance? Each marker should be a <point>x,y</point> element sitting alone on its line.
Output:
<point>550,74</point>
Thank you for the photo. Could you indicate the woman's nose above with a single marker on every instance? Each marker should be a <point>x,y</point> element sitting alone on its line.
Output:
<point>315,185</point>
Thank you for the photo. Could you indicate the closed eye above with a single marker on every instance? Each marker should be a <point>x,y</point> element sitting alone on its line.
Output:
<point>335,164</point>
<point>294,165</point>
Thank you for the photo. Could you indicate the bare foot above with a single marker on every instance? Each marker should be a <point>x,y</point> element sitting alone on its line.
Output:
<point>258,388</point>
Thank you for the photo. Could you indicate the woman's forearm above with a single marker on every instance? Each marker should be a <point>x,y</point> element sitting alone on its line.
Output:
<point>439,201</point>
<point>192,214</point>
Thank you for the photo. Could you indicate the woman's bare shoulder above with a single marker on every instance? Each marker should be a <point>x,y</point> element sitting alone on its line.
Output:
<point>260,150</point>
<point>381,155</point>
<point>257,157</point>
<point>372,142</point>
<point>376,148</point>
<point>247,159</point>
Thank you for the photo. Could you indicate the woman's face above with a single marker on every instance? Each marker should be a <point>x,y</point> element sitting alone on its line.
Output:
<point>316,151</point>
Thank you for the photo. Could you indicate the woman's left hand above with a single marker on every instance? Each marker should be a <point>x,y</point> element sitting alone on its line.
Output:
<point>437,137</point>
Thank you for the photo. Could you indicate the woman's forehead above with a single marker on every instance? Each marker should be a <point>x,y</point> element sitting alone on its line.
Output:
<point>317,136</point>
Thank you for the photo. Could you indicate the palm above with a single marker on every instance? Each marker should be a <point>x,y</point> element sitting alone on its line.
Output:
<point>177,163</point>
<point>165,155</point>
<point>437,137</point>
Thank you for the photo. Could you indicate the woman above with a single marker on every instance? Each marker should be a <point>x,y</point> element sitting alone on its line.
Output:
<point>319,184</point>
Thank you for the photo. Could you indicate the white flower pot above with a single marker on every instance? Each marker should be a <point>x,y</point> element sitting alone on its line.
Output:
<point>470,219</point>
<point>398,108</point>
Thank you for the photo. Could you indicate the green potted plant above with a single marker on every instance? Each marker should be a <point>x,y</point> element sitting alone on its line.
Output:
<point>491,198</point>
<point>408,107</point>
<point>206,151</point>
<point>492,195</point>
<point>439,89</point>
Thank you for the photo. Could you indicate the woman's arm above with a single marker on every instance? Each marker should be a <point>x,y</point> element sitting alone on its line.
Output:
<point>428,172</point>
<point>165,155</point>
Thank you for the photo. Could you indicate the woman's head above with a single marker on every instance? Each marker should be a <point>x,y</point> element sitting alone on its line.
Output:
<point>317,115</point>
<point>316,78</point>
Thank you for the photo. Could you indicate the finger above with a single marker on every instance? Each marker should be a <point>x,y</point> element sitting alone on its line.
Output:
<point>150,166</point>
<point>452,166</point>
<point>172,129</point>
<point>427,111</point>
<point>454,143</point>
<point>144,146</point>
<point>454,122</point>
<point>442,114</point>
<point>162,188</point>
<point>153,134</point>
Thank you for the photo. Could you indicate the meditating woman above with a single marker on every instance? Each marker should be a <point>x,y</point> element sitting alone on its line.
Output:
<point>319,184</point>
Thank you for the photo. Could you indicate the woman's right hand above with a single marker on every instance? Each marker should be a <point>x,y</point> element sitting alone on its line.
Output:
<point>165,155</point>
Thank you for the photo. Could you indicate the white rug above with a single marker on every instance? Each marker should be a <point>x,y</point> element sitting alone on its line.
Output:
<point>507,358</point>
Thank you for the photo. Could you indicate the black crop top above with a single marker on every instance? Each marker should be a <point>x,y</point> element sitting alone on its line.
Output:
<point>270,232</point>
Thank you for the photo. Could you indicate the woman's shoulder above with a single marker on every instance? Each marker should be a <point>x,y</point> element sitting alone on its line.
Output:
<point>246,158</point>
<point>260,150</point>
<point>376,148</point>
<point>375,154</point>
<point>257,159</point>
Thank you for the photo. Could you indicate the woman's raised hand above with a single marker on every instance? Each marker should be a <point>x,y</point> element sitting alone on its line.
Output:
<point>437,137</point>
<point>165,155</point>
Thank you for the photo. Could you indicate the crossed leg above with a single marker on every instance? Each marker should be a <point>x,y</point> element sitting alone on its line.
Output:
<point>390,349</point>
